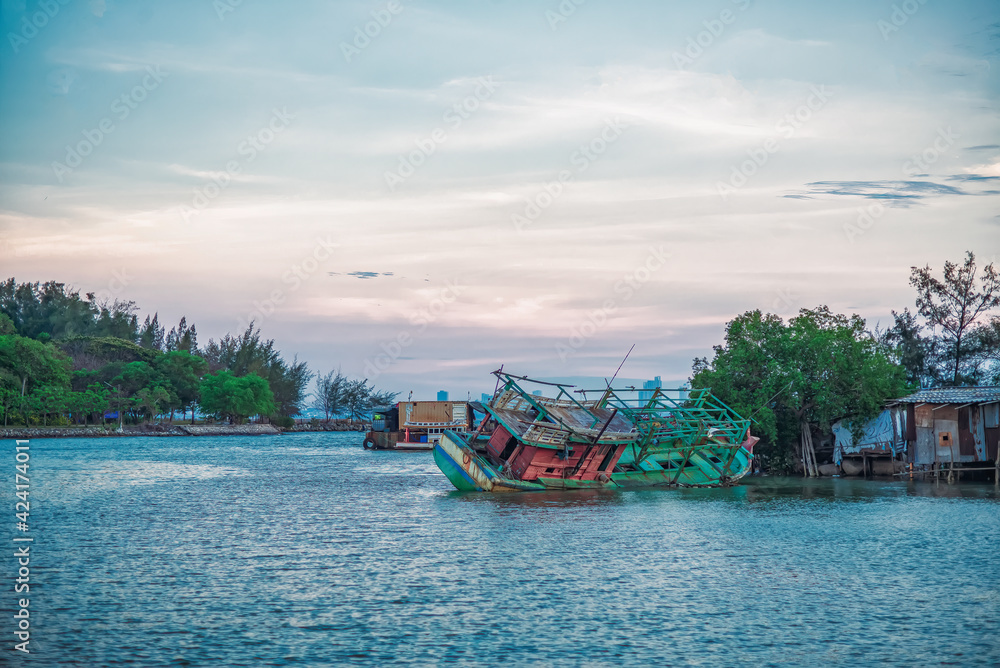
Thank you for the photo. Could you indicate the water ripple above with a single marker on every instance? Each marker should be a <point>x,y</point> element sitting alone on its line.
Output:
<point>306,550</point>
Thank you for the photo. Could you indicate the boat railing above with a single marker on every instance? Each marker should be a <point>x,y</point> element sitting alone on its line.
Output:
<point>693,417</point>
<point>683,415</point>
<point>458,423</point>
<point>546,434</point>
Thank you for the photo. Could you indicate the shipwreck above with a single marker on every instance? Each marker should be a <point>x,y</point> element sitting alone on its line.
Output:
<point>596,438</point>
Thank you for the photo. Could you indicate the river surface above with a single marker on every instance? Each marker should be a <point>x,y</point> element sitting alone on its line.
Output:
<point>305,550</point>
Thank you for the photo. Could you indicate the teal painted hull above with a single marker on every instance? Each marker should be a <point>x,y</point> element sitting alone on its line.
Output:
<point>704,467</point>
<point>468,471</point>
<point>622,438</point>
<point>707,465</point>
<point>452,470</point>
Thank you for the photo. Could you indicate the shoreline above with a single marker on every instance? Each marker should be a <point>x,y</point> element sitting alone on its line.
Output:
<point>178,430</point>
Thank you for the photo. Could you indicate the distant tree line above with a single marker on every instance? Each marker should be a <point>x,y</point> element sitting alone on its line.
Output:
<point>71,358</point>
<point>796,378</point>
<point>336,394</point>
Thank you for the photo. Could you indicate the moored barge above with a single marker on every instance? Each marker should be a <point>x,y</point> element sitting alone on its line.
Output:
<point>416,425</point>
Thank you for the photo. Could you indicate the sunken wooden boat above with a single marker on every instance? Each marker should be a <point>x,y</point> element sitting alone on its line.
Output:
<point>600,438</point>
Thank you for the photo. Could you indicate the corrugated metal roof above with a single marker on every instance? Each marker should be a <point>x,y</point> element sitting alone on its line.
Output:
<point>953,395</point>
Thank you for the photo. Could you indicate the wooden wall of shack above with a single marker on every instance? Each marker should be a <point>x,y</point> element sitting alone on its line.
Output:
<point>946,433</point>
<point>417,414</point>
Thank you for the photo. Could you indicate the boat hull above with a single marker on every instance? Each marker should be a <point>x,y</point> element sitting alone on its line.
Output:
<point>470,471</point>
<point>384,440</point>
<point>708,465</point>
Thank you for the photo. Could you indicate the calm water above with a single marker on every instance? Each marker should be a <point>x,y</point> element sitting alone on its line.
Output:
<point>306,550</point>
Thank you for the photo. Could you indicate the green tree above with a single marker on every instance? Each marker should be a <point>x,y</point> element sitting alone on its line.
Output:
<point>337,394</point>
<point>381,398</point>
<point>144,388</point>
<point>51,401</point>
<point>117,401</point>
<point>183,371</point>
<point>989,345</point>
<point>85,404</point>
<point>97,401</point>
<point>51,309</point>
<point>152,335</point>
<point>236,397</point>
<point>92,352</point>
<point>243,354</point>
<point>149,402</point>
<point>9,398</point>
<point>6,325</point>
<point>329,395</point>
<point>749,373</point>
<point>289,383</point>
<point>798,378</point>
<point>251,353</point>
<point>905,343</point>
<point>116,319</point>
<point>357,399</point>
<point>183,338</point>
<point>32,364</point>
<point>957,304</point>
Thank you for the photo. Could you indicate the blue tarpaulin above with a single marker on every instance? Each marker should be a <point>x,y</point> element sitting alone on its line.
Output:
<point>878,434</point>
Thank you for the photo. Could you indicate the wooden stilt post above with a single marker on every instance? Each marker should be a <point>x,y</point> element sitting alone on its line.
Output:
<point>805,466</point>
<point>937,465</point>
<point>952,474</point>
<point>812,450</point>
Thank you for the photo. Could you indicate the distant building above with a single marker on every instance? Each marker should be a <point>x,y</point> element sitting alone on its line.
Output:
<point>951,426</point>
<point>485,398</point>
<point>645,394</point>
<point>442,395</point>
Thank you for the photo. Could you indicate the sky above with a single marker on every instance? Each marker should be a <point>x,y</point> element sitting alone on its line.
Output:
<point>418,192</point>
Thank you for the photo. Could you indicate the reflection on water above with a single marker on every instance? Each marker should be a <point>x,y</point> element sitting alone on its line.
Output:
<point>308,550</point>
<point>859,488</point>
<point>83,478</point>
<point>750,489</point>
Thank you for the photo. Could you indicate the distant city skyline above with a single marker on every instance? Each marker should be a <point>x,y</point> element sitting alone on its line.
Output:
<point>417,193</point>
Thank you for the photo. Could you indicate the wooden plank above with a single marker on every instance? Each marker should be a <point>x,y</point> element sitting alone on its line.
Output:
<point>924,416</point>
